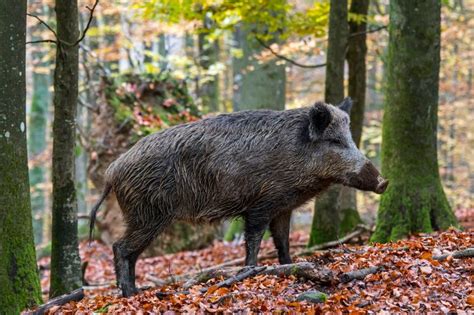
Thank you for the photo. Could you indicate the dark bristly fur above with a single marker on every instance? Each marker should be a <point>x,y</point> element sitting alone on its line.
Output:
<point>259,165</point>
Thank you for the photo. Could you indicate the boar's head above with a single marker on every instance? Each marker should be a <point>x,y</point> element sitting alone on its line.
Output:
<point>336,155</point>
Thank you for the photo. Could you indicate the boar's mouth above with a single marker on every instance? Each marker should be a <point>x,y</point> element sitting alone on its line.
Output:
<point>368,179</point>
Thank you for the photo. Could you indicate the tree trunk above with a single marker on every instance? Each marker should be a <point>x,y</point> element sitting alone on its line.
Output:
<point>415,200</point>
<point>65,260</point>
<point>332,216</point>
<point>37,126</point>
<point>256,86</point>
<point>19,282</point>
<point>259,86</point>
<point>209,55</point>
<point>356,53</point>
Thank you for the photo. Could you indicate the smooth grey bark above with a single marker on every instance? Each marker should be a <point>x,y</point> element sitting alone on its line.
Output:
<point>330,221</point>
<point>37,130</point>
<point>19,281</point>
<point>209,55</point>
<point>256,85</point>
<point>65,260</point>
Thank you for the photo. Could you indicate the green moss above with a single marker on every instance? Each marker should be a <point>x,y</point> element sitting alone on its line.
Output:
<point>415,200</point>
<point>350,220</point>
<point>313,297</point>
<point>329,222</point>
<point>235,228</point>
<point>19,281</point>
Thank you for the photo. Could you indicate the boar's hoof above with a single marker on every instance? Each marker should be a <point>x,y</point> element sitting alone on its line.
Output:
<point>381,187</point>
<point>129,291</point>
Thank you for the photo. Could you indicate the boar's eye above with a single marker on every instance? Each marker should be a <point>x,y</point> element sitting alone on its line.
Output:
<point>337,142</point>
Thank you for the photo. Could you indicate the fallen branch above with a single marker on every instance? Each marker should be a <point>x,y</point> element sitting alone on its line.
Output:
<point>359,274</point>
<point>303,270</point>
<point>213,272</point>
<point>358,231</point>
<point>246,273</point>
<point>465,253</point>
<point>75,295</point>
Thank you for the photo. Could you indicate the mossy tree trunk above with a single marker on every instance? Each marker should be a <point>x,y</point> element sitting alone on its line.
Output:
<point>256,86</point>
<point>209,55</point>
<point>65,260</point>
<point>19,281</point>
<point>355,56</point>
<point>415,200</point>
<point>330,210</point>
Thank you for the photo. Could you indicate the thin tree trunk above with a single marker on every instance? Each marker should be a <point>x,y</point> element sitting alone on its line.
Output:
<point>65,260</point>
<point>415,200</point>
<point>259,85</point>
<point>37,126</point>
<point>330,221</point>
<point>19,282</point>
<point>356,53</point>
<point>256,86</point>
<point>209,55</point>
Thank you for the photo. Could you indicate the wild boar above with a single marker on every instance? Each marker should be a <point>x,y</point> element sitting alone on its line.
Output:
<point>259,165</point>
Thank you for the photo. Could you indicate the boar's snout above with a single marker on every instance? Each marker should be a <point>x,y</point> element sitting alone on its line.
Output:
<point>368,179</point>
<point>382,186</point>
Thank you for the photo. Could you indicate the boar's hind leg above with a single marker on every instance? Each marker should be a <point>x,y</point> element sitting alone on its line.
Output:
<point>280,229</point>
<point>129,247</point>
<point>255,226</point>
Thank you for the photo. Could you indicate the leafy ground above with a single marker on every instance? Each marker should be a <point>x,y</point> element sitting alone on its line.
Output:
<point>411,281</point>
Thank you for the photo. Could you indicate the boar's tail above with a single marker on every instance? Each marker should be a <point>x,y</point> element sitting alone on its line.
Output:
<point>105,193</point>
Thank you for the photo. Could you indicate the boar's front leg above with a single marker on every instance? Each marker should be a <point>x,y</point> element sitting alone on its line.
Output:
<point>280,229</point>
<point>256,223</point>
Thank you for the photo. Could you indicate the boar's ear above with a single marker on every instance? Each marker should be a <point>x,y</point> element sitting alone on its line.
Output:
<point>346,105</point>
<point>319,120</point>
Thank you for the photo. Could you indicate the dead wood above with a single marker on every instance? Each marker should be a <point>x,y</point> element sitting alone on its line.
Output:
<point>75,295</point>
<point>359,274</point>
<point>465,253</point>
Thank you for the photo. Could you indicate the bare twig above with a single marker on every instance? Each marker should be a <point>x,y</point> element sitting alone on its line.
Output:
<point>62,42</point>
<point>276,54</point>
<point>465,253</point>
<point>90,107</point>
<point>293,62</point>
<point>41,41</point>
<point>44,23</point>
<point>370,30</point>
<point>91,16</point>
<point>83,216</point>
<point>358,231</point>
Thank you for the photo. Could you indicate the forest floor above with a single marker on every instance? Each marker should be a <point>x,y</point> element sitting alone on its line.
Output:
<point>410,279</point>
